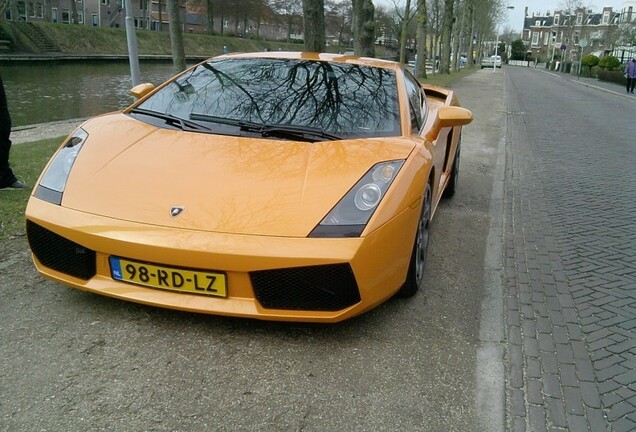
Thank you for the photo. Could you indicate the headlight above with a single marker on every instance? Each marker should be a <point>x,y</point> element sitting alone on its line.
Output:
<point>53,181</point>
<point>349,217</point>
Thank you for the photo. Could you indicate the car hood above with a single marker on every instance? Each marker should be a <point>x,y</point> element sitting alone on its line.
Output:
<point>133,171</point>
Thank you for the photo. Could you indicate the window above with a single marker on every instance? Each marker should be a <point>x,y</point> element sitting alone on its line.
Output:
<point>546,38</point>
<point>417,101</point>
<point>80,17</point>
<point>535,38</point>
<point>606,17</point>
<point>537,23</point>
<point>54,17</point>
<point>556,19</point>
<point>94,20</point>
<point>22,11</point>
<point>66,16</point>
<point>39,10</point>
<point>579,18</point>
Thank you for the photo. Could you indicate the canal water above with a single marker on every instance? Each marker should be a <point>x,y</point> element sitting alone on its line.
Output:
<point>43,92</point>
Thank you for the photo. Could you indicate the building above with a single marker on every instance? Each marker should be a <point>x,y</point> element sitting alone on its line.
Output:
<point>571,34</point>
<point>152,15</point>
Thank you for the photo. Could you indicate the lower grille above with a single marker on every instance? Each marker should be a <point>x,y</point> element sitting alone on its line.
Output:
<point>60,254</point>
<point>319,288</point>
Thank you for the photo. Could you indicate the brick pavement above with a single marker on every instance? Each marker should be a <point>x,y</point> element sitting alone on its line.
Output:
<point>570,274</point>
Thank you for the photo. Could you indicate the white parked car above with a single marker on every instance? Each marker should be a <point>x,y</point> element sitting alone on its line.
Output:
<point>491,62</point>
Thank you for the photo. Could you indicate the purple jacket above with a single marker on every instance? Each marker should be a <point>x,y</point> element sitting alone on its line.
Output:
<point>630,69</point>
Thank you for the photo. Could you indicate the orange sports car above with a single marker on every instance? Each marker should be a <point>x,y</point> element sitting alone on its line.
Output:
<point>278,186</point>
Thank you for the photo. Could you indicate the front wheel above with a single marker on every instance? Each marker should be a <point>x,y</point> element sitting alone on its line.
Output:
<point>415,272</point>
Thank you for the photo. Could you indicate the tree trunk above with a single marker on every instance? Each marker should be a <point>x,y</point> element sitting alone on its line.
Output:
<point>210,17</point>
<point>422,23</point>
<point>13,6</point>
<point>446,36</point>
<point>363,28</point>
<point>403,30</point>
<point>458,33</point>
<point>314,23</point>
<point>176,37</point>
<point>74,20</point>
<point>470,6</point>
<point>289,27</point>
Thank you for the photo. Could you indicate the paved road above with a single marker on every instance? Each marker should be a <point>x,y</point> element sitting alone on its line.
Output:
<point>570,255</point>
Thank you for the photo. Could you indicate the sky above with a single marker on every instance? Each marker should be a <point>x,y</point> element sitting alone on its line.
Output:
<point>515,16</point>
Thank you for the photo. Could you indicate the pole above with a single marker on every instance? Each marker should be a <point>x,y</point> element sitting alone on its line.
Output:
<point>494,65</point>
<point>133,56</point>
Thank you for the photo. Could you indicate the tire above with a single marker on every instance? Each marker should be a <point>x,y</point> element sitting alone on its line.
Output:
<point>451,187</point>
<point>415,273</point>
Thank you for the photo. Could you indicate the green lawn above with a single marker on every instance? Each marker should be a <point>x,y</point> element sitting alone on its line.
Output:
<point>27,161</point>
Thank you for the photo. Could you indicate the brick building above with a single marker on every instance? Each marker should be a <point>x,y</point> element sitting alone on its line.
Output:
<point>550,34</point>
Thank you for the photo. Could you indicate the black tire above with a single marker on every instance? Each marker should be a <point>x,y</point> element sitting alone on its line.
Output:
<point>415,273</point>
<point>451,187</point>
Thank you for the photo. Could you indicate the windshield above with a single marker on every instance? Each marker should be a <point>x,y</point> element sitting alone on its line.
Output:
<point>341,100</point>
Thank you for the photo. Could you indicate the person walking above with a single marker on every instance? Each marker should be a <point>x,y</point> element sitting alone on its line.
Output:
<point>630,74</point>
<point>7,178</point>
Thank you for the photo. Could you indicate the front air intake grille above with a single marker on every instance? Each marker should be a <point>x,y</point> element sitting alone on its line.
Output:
<point>318,288</point>
<point>60,254</point>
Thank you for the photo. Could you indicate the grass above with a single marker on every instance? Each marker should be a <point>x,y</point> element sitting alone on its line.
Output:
<point>444,80</point>
<point>27,161</point>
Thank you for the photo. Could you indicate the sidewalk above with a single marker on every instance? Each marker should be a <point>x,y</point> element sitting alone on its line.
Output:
<point>28,133</point>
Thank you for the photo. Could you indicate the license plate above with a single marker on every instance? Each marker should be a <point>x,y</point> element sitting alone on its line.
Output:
<point>169,278</point>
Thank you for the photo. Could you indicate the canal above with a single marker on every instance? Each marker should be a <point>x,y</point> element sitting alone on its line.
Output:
<point>43,92</point>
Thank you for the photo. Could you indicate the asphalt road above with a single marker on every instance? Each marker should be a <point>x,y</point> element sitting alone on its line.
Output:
<point>74,361</point>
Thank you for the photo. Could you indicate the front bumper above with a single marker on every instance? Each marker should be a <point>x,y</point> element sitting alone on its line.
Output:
<point>268,278</point>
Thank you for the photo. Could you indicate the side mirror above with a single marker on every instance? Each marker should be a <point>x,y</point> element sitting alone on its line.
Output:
<point>142,90</point>
<point>449,116</point>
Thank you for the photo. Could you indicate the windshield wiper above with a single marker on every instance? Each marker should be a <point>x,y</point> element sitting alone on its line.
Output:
<point>242,124</point>
<point>171,120</point>
<point>296,132</point>
<point>282,130</point>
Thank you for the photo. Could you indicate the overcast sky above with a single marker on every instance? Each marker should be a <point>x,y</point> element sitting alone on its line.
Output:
<point>515,16</point>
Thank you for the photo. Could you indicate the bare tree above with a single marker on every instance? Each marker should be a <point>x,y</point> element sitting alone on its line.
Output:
<point>435,26</point>
<point>209,16</point>
<point>446,36</point>
<point>421,17</point>
<point>176,37</point>
<point>74,18</point>
<point>363,28</point>
<point>406,18</point>
<point>338,20</point>
<point>291,11</point>
<point>314,23</point>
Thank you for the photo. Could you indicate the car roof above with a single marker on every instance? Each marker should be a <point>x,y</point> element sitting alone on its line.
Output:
<point>329,57</point>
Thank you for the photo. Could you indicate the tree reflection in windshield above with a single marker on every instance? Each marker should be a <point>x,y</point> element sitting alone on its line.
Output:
<point>348,100</point>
